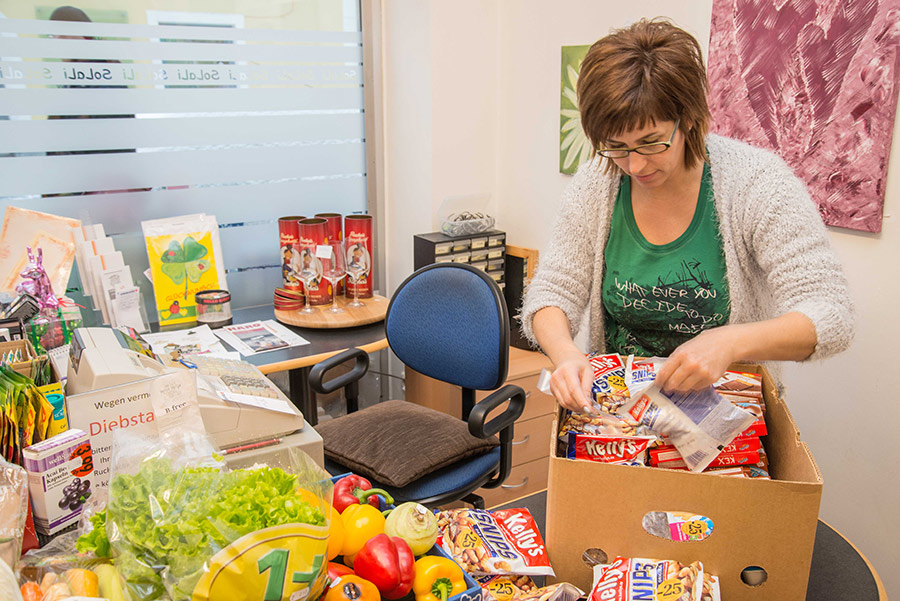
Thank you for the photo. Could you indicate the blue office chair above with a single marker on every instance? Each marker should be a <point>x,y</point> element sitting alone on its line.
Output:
<point>447,321</point>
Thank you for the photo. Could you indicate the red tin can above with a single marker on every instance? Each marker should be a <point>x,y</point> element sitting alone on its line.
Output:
<point>359,249</point>
<point>313,233</point>
<point>335,233</point>
<point>289,236</point>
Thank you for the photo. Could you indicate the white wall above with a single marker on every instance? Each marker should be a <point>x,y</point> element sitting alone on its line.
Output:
<point>492,83</point>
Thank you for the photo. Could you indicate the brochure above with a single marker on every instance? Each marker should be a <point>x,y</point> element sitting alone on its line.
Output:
<point>259,337</point>
<point>171,345</point>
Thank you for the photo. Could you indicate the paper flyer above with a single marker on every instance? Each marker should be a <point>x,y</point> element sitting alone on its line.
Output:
<point>259,337</point>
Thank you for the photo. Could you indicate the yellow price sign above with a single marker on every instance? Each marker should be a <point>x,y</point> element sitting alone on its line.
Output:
<point>467,539</point>
<point>695,529</point>
<point>502,589</point>
<point>669,590</point>
<point>282,563</point>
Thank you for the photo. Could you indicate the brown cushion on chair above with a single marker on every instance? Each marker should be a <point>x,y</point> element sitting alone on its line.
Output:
<point>397,442</point>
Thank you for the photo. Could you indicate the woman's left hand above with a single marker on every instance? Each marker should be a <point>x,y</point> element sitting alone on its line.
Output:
<point>699,362</point>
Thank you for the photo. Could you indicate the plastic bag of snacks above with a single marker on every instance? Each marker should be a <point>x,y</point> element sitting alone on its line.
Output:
<point>500,542</point>
<point>638,579</point>
<point>699,423</point>
<point>180,525</point>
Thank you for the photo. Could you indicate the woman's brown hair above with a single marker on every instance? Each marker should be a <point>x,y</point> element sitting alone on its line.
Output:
<point>647,72</point>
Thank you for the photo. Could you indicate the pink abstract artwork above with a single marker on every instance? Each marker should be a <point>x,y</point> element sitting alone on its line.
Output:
<point>816,82</point>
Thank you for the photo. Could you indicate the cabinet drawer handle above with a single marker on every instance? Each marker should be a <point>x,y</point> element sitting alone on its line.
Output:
<point>523,441</point>
<point>519,485</point>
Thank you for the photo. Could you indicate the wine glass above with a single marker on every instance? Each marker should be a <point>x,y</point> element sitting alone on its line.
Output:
<point>358,265</point>
<point>334,271</point>
<point>310,274</point>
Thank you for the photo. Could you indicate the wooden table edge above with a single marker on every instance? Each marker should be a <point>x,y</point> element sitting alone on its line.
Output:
<point>313,359</point>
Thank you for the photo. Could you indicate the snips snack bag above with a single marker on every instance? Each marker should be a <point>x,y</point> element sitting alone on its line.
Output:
<point>499,542</point>
<point>609,389</point>
<point>637,579</point>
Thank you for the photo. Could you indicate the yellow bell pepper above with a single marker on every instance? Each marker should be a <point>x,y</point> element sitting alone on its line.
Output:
<point>361,522</point>
<point>84,583</point>
<point>335,534</point>
<point>437,579</point>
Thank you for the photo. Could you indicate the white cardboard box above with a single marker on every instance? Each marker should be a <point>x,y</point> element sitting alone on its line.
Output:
<point>59,471</point>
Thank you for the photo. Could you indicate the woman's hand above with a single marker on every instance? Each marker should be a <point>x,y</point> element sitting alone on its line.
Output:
<point>700,361</point>
<point>571,382</point>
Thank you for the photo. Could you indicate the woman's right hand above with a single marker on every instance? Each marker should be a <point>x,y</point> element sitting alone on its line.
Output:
<point>571,383</point>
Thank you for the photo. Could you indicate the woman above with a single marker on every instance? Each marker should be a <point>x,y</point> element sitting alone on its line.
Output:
<point>675,242</point>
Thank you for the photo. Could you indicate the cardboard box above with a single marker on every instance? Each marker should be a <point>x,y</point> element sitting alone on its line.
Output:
<point>25,351</point>
<point>59,471</point>
<point>766,523</point>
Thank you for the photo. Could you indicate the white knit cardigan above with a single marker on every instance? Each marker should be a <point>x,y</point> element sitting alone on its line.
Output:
<point>778,257</point>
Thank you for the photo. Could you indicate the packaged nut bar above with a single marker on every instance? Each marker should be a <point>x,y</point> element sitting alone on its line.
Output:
<point>668,452</point>
<point>637,579</point>
<point>561,591</point>
<point>505,588</point>
<point>501,542</point>
<point>589,423</point>
<point>609,390</point>
<point>622,450</point>
<point>739,383</point>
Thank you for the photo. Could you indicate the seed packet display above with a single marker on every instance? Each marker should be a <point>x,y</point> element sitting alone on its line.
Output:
<point>502,542</point>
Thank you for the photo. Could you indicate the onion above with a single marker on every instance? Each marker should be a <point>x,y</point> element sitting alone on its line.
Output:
<point>414,523</point>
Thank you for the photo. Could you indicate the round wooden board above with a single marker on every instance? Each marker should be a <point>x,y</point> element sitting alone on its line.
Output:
<point>374,310</point>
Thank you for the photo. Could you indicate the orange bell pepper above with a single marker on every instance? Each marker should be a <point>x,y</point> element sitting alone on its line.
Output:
<point>352,588</point>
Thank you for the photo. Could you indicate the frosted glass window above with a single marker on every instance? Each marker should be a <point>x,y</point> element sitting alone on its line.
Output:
<point>244,110</point>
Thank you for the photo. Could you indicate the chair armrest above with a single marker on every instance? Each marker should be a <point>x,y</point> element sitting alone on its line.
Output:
<point>501,425</point>
<point>349,380</point>
<point>477,425</point>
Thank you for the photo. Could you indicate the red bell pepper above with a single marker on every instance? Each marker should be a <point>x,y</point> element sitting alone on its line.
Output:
<point>353,490</point>
<point>388,563</point>
<point>336,570</point>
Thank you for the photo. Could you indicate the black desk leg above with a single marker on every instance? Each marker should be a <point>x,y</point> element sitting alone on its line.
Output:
<point>302,395</point>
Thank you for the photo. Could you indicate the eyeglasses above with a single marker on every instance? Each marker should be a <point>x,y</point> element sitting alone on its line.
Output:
<point>652,148</point>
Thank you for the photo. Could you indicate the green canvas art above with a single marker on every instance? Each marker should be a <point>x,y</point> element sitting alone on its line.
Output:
<point>574,147</point>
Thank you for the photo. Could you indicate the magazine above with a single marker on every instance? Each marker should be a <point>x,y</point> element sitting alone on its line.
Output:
<point>259,337</point>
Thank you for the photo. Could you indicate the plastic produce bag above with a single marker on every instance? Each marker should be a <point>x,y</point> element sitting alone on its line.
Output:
<point>56,571</point>
<point>181,525</point>
<point>13,511</point>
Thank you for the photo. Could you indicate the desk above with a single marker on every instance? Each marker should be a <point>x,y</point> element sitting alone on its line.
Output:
<point>297,360</point>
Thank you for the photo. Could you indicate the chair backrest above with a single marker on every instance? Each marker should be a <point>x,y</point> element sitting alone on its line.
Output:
<point>449,321</point>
